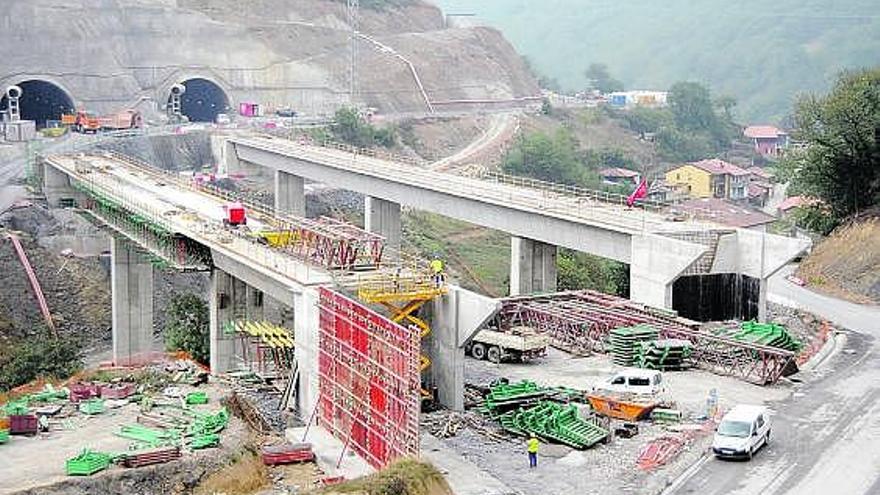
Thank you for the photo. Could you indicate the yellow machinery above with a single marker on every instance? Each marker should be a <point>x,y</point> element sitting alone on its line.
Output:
<point>267,341</point>
<point>403,295</point>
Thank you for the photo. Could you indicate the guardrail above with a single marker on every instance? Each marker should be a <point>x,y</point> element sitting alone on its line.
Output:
<point>569,190</point>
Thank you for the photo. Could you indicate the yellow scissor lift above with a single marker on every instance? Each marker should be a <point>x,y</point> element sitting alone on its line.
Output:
<point>403,294</point>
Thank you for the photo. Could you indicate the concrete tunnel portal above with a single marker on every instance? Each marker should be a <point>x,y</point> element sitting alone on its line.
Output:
<point>40,101</point>
<point>203,100</point>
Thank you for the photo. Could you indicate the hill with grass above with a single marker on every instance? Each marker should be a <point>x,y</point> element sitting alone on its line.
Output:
<point>762,53</point>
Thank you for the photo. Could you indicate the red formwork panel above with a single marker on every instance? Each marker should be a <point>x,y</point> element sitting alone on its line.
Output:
<point>368,380</point>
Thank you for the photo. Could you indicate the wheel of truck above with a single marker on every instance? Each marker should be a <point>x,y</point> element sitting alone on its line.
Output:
<point>478,351</point>
<point>494,354</point>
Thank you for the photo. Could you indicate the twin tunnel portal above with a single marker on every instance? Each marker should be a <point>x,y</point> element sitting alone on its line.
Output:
<point>43,101</point>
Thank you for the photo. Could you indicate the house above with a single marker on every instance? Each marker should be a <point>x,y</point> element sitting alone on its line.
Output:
<point>725,213</point>
<point>633,99</point>
<point>767,140</point>
<point>760,186</point>
<point>794,202</point>
<point>710,179</point>
<point>620,177</point>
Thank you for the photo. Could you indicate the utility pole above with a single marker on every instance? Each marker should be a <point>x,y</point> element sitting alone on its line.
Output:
<point>353,22</point>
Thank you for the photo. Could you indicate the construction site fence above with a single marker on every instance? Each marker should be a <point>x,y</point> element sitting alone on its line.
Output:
<point>573,191</point>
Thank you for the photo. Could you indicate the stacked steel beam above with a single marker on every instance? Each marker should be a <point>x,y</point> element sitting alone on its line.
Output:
<point>580,322</point>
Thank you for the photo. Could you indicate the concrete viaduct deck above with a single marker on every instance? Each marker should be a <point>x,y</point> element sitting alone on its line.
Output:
<point>657,250</point>
<point>240,267</point>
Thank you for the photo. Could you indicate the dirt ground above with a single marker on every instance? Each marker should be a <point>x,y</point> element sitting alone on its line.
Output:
<point>30,462</point>
<point>564,471</point>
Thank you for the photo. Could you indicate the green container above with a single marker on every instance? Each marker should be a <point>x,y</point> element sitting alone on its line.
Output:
<point>4,436</point>
<point>87,463</point>
<point>204,441</point>
<point>91,407</point>
<point>197,398</point>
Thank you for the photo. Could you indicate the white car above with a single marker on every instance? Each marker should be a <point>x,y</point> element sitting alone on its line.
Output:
<point>633,381</point>
<point>742,431</point>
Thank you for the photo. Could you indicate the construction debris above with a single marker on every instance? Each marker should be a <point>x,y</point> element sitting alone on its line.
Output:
<point>287,453</point>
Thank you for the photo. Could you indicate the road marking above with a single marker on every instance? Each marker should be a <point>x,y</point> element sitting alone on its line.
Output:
<point>686,475</point>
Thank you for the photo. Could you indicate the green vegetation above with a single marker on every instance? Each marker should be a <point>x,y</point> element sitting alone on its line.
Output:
<point>350,127</point>
<point>187,327</point>
<point>38,356</point>
<point>763,53</point>
<point>553,158</point>
<point>691,128</point>
<point>840,163</point>
<point>578,271</point>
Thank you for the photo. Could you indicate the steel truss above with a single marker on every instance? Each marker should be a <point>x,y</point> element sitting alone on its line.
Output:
<point>580,322</point>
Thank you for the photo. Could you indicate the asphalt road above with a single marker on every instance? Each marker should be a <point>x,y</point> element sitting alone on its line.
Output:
<point>825,436</point>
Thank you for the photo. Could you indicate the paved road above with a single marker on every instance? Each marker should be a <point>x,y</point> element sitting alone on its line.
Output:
<point>824,436</point>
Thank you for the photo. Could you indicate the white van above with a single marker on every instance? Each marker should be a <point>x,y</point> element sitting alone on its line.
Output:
<point>742,431</point>
<point>633,381</point>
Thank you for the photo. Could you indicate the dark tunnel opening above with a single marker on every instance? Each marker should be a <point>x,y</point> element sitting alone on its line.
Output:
<point>40,101</point>
<point>203,100</point>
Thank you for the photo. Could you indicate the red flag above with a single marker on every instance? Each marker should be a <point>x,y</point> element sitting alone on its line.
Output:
<point>638,194</point>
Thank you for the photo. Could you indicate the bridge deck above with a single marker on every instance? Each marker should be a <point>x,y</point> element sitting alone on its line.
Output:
<point>190,213</point>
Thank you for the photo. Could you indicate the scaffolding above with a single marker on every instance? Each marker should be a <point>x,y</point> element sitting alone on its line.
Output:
<point>403,294</point>
<point>581,322</point>
<point>266,348</point>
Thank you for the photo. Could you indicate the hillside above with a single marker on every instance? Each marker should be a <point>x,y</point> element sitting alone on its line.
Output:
<point>762,53</point>
<point>847,263</point>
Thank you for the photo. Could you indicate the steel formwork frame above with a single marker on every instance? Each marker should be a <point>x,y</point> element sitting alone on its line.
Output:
<point>368,376</point>
<point>580,322</point>
<point>331,243</point>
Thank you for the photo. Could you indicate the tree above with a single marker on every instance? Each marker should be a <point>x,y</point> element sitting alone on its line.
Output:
<point>600,78</point>
<point>840,163</point>
<point>351,128</point>
<point>691,105</point>
<point>40,355</point>
<point>187,327</point>
<point>545,157</point>
<point>579,271</point>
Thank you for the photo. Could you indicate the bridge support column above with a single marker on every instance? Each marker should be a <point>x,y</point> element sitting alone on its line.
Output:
<point>58,189</point>
<point>762,300</point>
<point>290,195</point>
<point>131,284</point>
<point>221,304</point>
<point>455,319</point>
<point>532,267</point>
<point>306,323</point>
<point>383,218</point>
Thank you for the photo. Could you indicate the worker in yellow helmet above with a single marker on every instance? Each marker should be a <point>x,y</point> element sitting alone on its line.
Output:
<point>437,269</point>
<point>532,447</point>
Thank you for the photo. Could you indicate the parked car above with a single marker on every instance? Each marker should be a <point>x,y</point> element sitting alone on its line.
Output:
<point>742,431</point>
<point>286,112</point>
<point>633,381</point>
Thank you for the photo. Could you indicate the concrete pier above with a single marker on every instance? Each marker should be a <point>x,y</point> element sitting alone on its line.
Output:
<point>131,282</point>
<point>221,301</point>
<point>532,267</point>
<point>456,317</point>
<point>290,195</point>
<point>383,218</point>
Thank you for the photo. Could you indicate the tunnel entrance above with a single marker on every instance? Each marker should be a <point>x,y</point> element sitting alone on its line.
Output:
<point>203,100</point>
<point>716,297</point>
<point>41,101</point>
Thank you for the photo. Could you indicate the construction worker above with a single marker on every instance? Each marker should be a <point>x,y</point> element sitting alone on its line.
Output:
<point>532,447</point>
<point>437,269</point>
